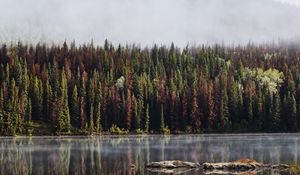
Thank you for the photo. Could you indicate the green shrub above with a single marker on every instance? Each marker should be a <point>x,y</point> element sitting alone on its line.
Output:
<point>116,130</point>
<point>139,131</point>
<point>166,130</point>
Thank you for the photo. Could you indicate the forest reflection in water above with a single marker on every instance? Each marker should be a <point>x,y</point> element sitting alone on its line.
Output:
<point>116,154</point>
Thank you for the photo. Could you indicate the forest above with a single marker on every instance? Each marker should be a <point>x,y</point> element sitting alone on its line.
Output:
<point>128,89</point>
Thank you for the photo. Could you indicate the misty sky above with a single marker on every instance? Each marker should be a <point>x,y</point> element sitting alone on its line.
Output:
<point>150,21</point>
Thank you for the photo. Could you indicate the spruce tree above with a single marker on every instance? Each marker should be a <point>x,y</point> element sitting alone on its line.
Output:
<point>162,119</point>
<point>292,112</point>
<point>37,99</point>
<point>1,111</point>
<point>276,113</point>
<point>63,116</point>
<point>91,102</point>
<point>147,118</point>
<point>97,110</point>
<point>75,110</point>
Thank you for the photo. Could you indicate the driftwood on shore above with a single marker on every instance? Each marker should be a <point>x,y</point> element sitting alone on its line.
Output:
<point>173,164</point>
<point>240,166</point>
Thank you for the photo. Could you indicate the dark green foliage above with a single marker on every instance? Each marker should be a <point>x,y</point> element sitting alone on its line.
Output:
<point>63,115</point>
<point>147,118</point>
<point>276,113</point>
<point>74,109</point>
<point>162,119</point>
<point>199,89</point>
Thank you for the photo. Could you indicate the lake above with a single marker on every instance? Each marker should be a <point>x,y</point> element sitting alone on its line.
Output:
<point>116,154</point>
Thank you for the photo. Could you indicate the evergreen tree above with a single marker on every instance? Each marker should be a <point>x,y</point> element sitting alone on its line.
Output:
<point>162,118</point>
<point>91,121</point>
<point>13,114</point>
<point>147,124</point>
<point>98,117</point>
<point>276,113</point>
<point>258,111</point>
<point>234,105</point>
<point>82,103</point>
<point>75,110</point>
<point>63,116</point>
<point>195,113</point>
<point>128,110</point>
<point>298,106</point>
<point>98,107</point>
<point>91,101</point>
<point>2,111</point>
<point>268,111</point>
<point>37,99</point>
<point>292,112</point>
<point>137,119</point>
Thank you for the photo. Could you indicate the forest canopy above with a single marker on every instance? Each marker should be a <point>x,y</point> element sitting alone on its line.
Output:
<point>91,89</point>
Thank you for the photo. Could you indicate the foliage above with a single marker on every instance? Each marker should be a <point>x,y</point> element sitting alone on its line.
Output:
<point>116,130</point>
<point>165,130</point>
<point>94,89</point>
<point>270,78</point>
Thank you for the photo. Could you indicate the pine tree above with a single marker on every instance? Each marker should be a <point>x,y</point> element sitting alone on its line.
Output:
<point>234,105</point>
<point>82,103</point>
<point>63,116</point>
<point>276,113</point>
<point>138,91</point>
<point>47,100</point>
<point>268,103</point>
<point>98,117</point>
<point>298,106</point>
<point>91,121</point>
<point>147,124</point>
<point>1,111</point>
<point>195,113</point>
<point>91,101</point>
<point>258,111</point>
<point>128,110</point>
<point>29,110</point>
<point>223,102</point>
<point>13,109</point>
<point>162,119</point>
<point>211,108</point>
<point>75,110</point>
<point>98,107</point>
<point>137,119</point>
<point>249,96</point>
<point>37,99</point>
<point>292,112</point>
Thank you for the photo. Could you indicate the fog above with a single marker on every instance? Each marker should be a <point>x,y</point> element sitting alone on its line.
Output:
<point>150,21</point>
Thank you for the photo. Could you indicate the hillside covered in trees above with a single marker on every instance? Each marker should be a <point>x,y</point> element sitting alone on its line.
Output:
<point>90,89</point>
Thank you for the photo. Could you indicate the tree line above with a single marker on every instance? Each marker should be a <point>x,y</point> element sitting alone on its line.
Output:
<point>159,89</point>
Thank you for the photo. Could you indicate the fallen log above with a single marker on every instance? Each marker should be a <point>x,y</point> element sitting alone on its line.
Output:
<point>171,171</point>
<point>242,165</point>
<point>169,164</point>
<point>248,166</point>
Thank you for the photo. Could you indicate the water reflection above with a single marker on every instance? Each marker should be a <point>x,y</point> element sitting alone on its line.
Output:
<point>117,155</point>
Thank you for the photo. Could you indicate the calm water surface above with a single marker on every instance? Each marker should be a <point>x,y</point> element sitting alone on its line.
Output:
<point>114,155</point>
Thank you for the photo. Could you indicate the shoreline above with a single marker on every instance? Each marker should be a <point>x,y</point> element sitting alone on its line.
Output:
<point>156,135</point>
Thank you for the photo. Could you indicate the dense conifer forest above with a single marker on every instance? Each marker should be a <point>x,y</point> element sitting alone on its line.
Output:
<point>91,89</point>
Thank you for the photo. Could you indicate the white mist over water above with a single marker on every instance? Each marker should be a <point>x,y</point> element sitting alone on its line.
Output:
<point>150,21</point>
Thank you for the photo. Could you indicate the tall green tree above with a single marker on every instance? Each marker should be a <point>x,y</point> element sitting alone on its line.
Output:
<point>276,113</point>
<point>75,110</point>
<point>63,116</point>
<point>147,124</point>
